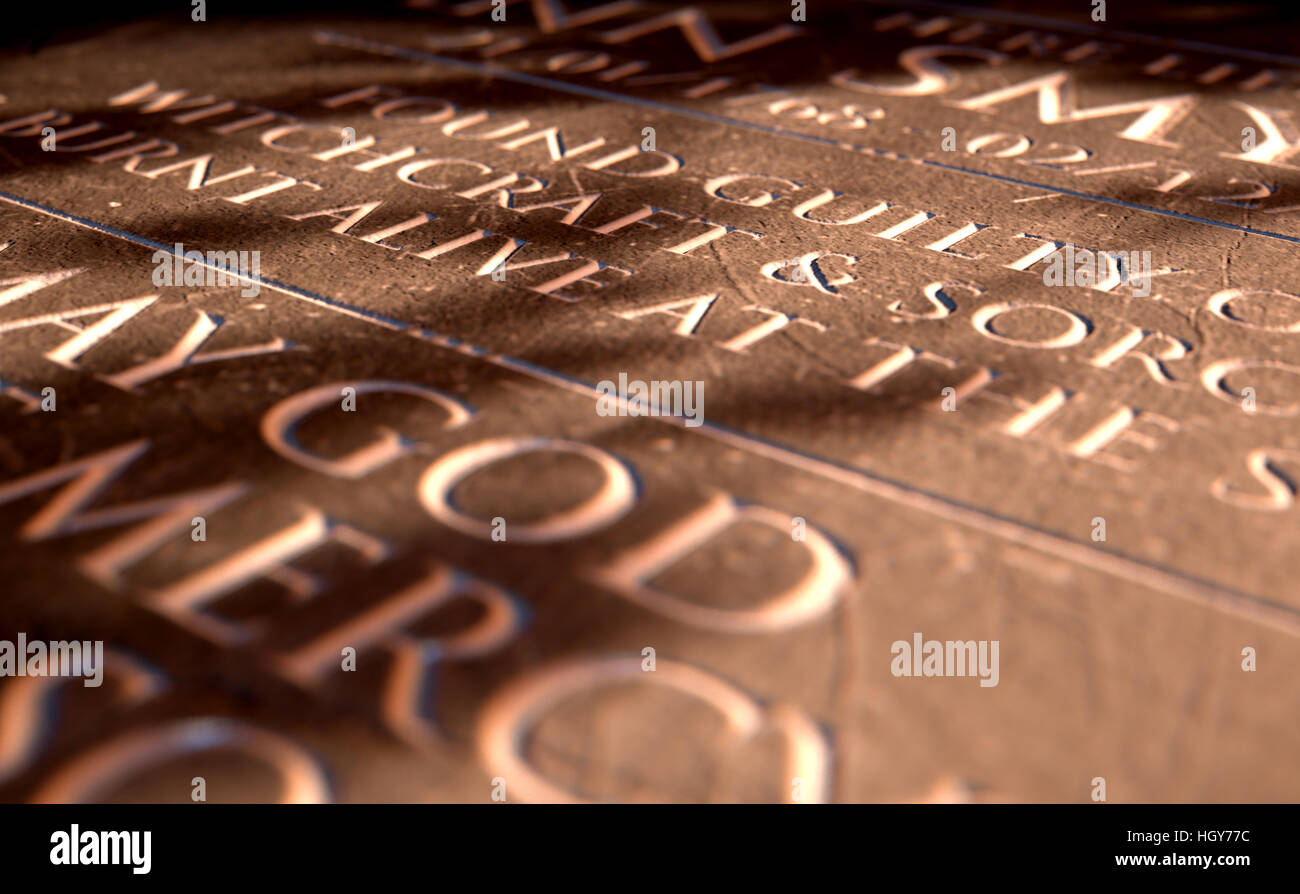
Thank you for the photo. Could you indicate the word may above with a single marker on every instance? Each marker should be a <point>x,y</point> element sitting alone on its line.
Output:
<point>914,660</point>
<point>55,659</point>
<point>103,848</point>
<point>637,398</point>
<point>1099,270</point>
<point>216,268</point>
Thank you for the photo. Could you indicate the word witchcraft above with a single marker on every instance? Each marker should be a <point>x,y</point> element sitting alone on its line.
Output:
<point>1099,269</point>
<point>76,848</point>
<point>637,398</point>
<point>55,659</point>
<point>216,268</point>
<point>914,660</point>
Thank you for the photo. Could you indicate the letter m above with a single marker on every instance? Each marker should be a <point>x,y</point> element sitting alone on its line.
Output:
<point>86,479</point>
<point>120,853</point>
<point>227,264</point>
<point>667,396</point>
<point>700,34</point>
<point>1057,103</point>
<point>69,657</point>
<point>961,658</point>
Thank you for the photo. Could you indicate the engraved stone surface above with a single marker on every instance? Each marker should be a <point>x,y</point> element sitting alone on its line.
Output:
<point>964,465</point>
